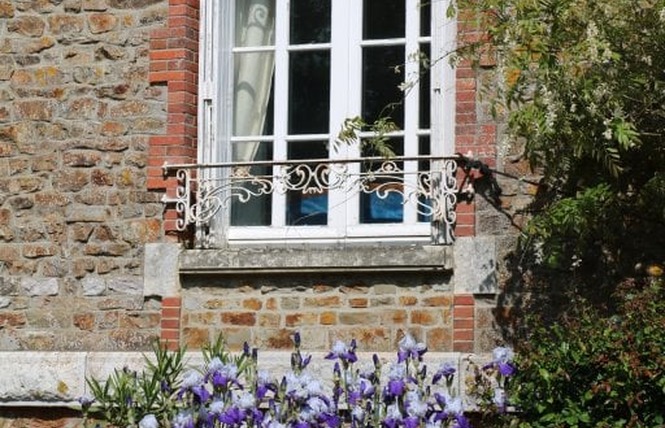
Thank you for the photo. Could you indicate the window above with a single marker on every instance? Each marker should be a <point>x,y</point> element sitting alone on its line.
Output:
<point>278,79</point>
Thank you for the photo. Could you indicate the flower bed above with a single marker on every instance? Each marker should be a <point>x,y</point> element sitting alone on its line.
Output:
<point>231,391</point>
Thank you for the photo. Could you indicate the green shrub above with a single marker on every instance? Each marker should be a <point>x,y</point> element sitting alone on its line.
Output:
<point>597,370</point>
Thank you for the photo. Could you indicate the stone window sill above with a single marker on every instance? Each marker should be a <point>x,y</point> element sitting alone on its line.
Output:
<point>306,259</point>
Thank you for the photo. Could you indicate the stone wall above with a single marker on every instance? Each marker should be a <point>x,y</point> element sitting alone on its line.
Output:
<point>76,113</point>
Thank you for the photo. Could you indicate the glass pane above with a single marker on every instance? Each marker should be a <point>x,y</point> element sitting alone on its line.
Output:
<point>309,92</point>
<point>425,17</point>
<point>425,87</point>
<point>310,21</point>
<point>384,202</point>
<point>308,204</point>
<point>255,23</point>
<point>381,94</point>
<point>253,94</point>
<point>424,203</point>
<point>383,19</point>
<point>257,209</point>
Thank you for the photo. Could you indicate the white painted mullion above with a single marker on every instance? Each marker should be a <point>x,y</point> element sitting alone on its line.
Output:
<point>281,112</point>
<point>411,106</point>
<point>339,94</point>
<point>354,34</point>
<point>444,36</point>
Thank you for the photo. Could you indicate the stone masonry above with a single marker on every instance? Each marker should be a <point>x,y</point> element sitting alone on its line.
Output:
<point>76,113</point>
<point>95,95</point>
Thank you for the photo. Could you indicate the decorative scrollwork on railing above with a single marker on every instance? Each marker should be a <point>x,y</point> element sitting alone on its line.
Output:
<point>204,190</point>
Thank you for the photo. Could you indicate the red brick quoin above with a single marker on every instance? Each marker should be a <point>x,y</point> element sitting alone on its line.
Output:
<point>174,62</point>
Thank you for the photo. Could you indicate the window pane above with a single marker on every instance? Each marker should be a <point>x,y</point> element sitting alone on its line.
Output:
<point>383,19</point>
<point>255,22</point>
<point>310,21</point>
<point>309,92</point>
<point>381,94</point>
<point>256,210</point>
<point>253,94</point>
<point>425,86</point>
<point>308,205</point>
<point>425,17</point>
<point>384,204</point>
<point>424,149</point>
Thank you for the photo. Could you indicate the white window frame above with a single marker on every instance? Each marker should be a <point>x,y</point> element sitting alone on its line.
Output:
<point>216,105</point>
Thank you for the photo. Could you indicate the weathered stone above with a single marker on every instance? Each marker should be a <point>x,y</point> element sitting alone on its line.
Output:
<point>53,267</point>
<point>100,177</point>
<point>6,9</point>
<point>132,4</point>
<point>33,251</point>
<point>93,286</point>
<point>21,202</point>
<point>82,108</point>
<point>87,214</point>
<point>71,180</point>
<point>95,5</point>
<point>36,46</point>
<point>31,26</point>
<point>113,128</point>
<point>72,5</point>
<point>117,92</point>
<point>4,301</point>
<point>102,22</point>
<point>85,321</point>
<point>110,52</point>
<point>12,319</point>
<point>126,285</point>
<point>82,266</point>
<point>35,109</point>
<point>51,199</point>
<point>63,24</point>
<point>81,158</point>
<point>40,286</point>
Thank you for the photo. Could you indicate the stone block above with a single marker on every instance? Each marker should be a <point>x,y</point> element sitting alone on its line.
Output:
<point>40,286</point>
<point>475,265</point>
<point>30,26</point>
<point>42,377</point>
<point>125,285</point>
<point>102,22</point>
<point>93,286</point>
<point>160,270</point>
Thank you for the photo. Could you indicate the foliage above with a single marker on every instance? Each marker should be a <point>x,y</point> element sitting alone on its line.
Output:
<point>590,370</point>
<point>582,89</point>
<point>230,391</point>
<point>127,396</point>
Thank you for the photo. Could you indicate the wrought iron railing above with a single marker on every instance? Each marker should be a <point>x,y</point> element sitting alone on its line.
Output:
<point>205,190</point>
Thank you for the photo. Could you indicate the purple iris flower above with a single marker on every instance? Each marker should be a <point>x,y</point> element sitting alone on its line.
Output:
<point>201,394</point>
<point>503,361</point>
<point>264,384</point>
<point>344,352</point>
<point>233,416</point>
<point>409,348</point>
<point>183,420</point>
<point>396,385</point>
<point>447,370</point>
<point>393,418</point>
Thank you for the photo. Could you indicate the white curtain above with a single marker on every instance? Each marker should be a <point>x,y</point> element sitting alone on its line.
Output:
<point>255,26</point>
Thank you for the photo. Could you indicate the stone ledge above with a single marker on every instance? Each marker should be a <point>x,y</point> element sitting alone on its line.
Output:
<point>394,258</point>
<point>57,379</point>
